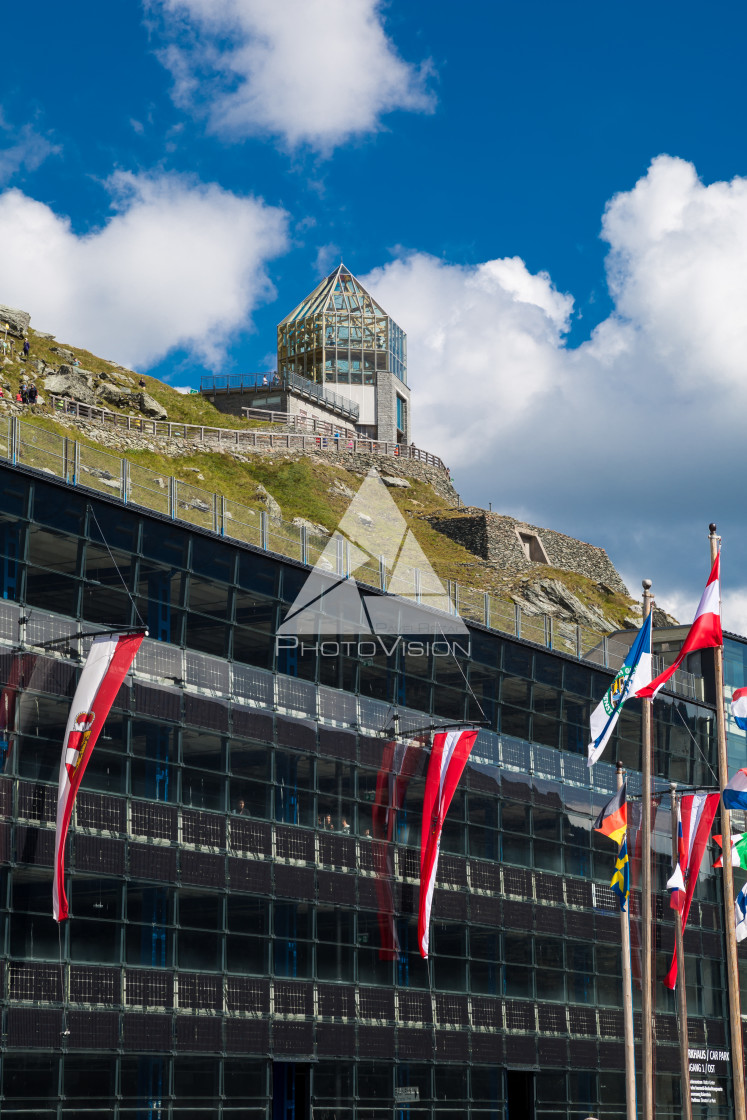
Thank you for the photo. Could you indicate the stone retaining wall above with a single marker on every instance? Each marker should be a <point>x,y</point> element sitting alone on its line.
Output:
<point>119,441</point>
<point>496,538</point>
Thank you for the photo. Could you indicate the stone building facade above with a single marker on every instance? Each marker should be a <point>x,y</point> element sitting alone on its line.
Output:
<point>516,546</point>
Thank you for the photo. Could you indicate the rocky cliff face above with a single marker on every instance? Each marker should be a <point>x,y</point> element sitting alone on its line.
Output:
<point>61,373</point>
<point>17,321</point>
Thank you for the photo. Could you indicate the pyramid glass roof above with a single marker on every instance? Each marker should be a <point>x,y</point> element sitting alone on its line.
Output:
<point>340,334</point>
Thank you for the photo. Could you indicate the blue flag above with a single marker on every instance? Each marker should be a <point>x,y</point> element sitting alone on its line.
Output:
<point>621,879</point>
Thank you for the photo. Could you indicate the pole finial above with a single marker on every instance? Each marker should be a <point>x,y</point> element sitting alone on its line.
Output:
<point>646,584</point>
<point>712,528</point>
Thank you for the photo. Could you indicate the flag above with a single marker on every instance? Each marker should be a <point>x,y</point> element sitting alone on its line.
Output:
<point>697,813</point>
<point>740,913</point>
<point>106,666</point>
<point>398,764</point>
<point>735,791</point>
<point>448,758</point>
<point>676,883</point>
<point>635,673</point>
<point>613,818</point>
<point>738,850</point>
<point>739,707</point>
<point>704,633</point>
<point>621,879</point>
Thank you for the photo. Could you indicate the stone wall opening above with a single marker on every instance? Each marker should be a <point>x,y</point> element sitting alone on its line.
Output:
<point>532,547</point>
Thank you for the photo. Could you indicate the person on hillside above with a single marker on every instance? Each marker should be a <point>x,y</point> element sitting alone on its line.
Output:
<point>33,394</point>
<point>26,347</point>
<point>141,383</point>
<point>24,393</point>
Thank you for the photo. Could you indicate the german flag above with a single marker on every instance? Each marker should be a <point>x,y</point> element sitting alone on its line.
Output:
<point>613,819</point>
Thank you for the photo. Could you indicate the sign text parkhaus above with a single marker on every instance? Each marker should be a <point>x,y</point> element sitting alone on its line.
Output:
<point>332,616</point>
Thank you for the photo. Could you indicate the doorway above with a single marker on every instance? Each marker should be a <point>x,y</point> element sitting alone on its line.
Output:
<point>519,1094</point>
<point>291,1099</point>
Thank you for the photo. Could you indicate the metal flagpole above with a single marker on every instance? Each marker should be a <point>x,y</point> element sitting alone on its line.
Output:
<point>732,972</point>
<point>627,996</point>
<point>687,1108</point>
<point>646,914</point>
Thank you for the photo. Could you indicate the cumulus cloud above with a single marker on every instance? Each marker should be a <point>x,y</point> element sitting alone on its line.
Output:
<point>311,72</point>
<point>179,264</point>
<point>634,439</point>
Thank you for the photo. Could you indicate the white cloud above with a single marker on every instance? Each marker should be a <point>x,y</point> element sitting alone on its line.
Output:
<point>633,440</point>
<point>22,148</point>
<point>178,265</point>
<point>312,72</point>
<point>484,343</point>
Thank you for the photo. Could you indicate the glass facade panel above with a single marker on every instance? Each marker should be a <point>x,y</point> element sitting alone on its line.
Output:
<point>340,334</point>
<point>243,873</point>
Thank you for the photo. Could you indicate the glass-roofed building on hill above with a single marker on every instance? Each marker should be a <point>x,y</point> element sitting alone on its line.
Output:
<point>340,335</point>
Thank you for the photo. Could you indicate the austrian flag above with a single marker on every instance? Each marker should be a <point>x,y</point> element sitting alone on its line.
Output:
<point>704,633</point>
<point>106,667</point>
<point>448,758</point>
<point>697,811</point>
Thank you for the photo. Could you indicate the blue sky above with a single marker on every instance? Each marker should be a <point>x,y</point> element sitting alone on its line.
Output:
<point>176,175</point>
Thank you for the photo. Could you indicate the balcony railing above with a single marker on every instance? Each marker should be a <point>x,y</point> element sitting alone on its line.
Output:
<point>211,384</point>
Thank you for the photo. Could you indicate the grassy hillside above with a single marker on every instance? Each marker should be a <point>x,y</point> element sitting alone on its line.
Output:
<point>304,486</point>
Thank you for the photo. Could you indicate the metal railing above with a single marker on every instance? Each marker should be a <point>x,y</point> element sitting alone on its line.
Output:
<point>234,382</point>
<point>296,423</point>
<point>89,468</point>
<point>211,384</point>
<point>247,438</point>
<point>321,394</point>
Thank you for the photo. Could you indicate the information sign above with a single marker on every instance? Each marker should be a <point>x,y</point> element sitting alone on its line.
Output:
<point>709,1070</point>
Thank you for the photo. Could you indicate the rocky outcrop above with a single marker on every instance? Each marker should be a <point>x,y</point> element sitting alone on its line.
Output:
<point>263,495</point>
<point>64,355</point>
<point>150,407</point>
<point>72,382</point>
<point>113,375</point>
<point>17,320</point>
<point>310,526</point>
<point>394,482</point>
<point>114,394</point>
<point>339,488</point>
<point>550,596</point>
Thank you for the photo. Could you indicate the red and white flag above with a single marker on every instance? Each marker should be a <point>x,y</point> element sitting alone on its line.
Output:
<point>697,812</point>
<point>448,758</point>
<point>704,633</point>
<point>398,764</point>
<point>106,667</point>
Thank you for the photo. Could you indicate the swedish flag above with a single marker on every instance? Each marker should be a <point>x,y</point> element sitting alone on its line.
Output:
<point>621,879</point>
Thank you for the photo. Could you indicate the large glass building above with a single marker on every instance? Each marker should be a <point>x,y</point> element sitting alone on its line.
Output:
<point>241,944</point>
<point>340,335</point>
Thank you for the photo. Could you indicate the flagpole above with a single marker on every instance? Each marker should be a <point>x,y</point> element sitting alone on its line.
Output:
<point>732,971</point>
<point>687,1108</point>
<point>627,997</point>
<point>647,1038</point>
